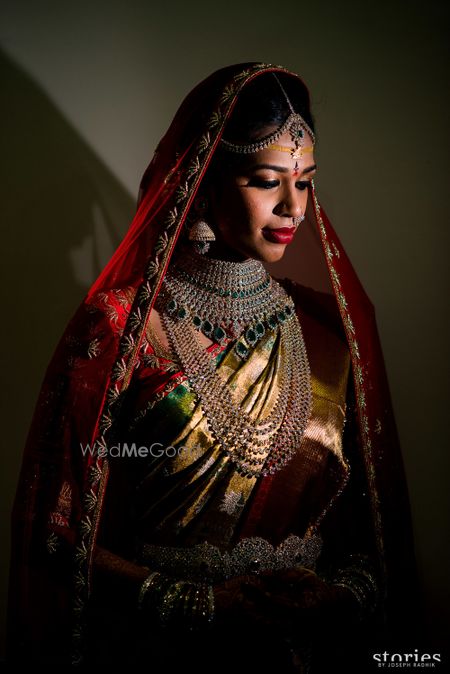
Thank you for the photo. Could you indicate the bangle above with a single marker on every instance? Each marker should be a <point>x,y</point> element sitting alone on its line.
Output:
<point>362,584</point>
<point>203,608</point>
<point>189,604</point>
<point>169,605</point>
<point>145,588</point>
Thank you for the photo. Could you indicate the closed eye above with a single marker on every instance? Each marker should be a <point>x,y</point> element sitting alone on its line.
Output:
<point>264,184</point>
<point>270,184</point>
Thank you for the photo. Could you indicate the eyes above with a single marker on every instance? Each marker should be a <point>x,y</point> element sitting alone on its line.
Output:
<point>271,184</point>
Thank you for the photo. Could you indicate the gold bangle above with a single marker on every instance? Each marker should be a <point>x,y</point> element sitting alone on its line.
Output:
<point>145,587</point>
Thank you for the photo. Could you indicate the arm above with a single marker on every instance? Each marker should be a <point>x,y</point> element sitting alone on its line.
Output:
<point>112,572</point>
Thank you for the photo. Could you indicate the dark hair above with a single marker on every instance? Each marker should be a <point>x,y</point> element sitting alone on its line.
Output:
<point>262,103</point>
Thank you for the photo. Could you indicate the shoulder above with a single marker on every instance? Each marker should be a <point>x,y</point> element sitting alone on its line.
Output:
<point>317,305</point>
<point>111,307</point>
<point>95,328</point>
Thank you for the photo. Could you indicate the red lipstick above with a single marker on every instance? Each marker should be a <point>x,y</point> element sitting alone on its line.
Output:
<point>279,234</point>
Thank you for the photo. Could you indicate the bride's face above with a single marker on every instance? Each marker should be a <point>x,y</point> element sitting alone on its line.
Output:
<point>252,209</point>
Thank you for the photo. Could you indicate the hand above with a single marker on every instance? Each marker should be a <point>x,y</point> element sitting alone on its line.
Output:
<point>229,597</point>
<point>235,608</point>
<point>300,597</point>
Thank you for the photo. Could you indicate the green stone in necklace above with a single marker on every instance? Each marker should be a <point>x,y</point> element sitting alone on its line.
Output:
<point>223,299</point>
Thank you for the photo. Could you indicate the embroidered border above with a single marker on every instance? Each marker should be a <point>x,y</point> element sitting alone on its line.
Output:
<point>358,377</point>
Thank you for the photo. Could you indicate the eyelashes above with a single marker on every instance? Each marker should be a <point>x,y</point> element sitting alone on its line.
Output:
<point>265,184</point>
<point>270,184</point>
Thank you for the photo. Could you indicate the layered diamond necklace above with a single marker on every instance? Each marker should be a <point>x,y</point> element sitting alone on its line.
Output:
<point>238,301</point>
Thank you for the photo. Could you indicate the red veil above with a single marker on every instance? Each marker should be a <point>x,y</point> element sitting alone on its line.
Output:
<point>61,492</point>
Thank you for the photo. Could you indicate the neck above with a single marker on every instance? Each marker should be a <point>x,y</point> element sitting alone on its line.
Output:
<point>219,251</point>
<point>216,253</point>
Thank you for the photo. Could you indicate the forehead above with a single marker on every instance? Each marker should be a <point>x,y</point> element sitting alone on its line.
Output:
<point>283,153</point>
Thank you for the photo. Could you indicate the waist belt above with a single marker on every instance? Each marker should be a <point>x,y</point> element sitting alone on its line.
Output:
<point>207,563</point>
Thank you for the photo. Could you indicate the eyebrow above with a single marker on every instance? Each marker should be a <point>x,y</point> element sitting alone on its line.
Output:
<point>281,169</point>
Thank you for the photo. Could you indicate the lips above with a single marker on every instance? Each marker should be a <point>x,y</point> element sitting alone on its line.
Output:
<point>281,235</point>
<point>281,230</point>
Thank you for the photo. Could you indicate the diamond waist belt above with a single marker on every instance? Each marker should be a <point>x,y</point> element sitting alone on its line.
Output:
<point>207,563</point>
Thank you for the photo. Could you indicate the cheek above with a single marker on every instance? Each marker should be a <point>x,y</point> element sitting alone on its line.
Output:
<point>256,209</point>
<point>241,210</point>
<point>237,208</point>
<point>262,216</point>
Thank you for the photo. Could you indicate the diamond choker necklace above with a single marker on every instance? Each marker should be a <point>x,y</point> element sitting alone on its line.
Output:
<point>221,298</point>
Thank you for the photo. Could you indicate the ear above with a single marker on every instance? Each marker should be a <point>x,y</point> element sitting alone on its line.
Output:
<point>201,204</point>
<point>213,191</point>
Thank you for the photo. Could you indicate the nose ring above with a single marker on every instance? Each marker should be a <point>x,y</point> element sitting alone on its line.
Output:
<point>296,221</point>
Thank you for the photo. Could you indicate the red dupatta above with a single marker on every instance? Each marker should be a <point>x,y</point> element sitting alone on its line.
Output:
<point>61,492</point>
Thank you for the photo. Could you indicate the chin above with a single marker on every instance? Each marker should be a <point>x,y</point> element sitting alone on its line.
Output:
<point>271,253</point>
<point>262,251</point>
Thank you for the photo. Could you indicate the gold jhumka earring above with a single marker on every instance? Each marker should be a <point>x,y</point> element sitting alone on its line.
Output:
<point>201,234</point>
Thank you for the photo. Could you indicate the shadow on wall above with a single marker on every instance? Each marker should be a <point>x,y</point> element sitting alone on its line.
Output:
<point>63,214</point>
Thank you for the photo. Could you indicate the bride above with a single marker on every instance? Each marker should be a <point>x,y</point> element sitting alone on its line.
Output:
<point>249,514</point>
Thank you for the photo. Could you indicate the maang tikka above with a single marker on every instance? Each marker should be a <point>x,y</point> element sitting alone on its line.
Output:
<point>294,123</point>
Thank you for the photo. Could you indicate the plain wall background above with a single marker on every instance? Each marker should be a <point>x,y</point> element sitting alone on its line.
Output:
<point>88,88</point>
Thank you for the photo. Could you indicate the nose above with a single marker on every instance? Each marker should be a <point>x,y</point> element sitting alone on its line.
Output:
<point>291,204</point>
